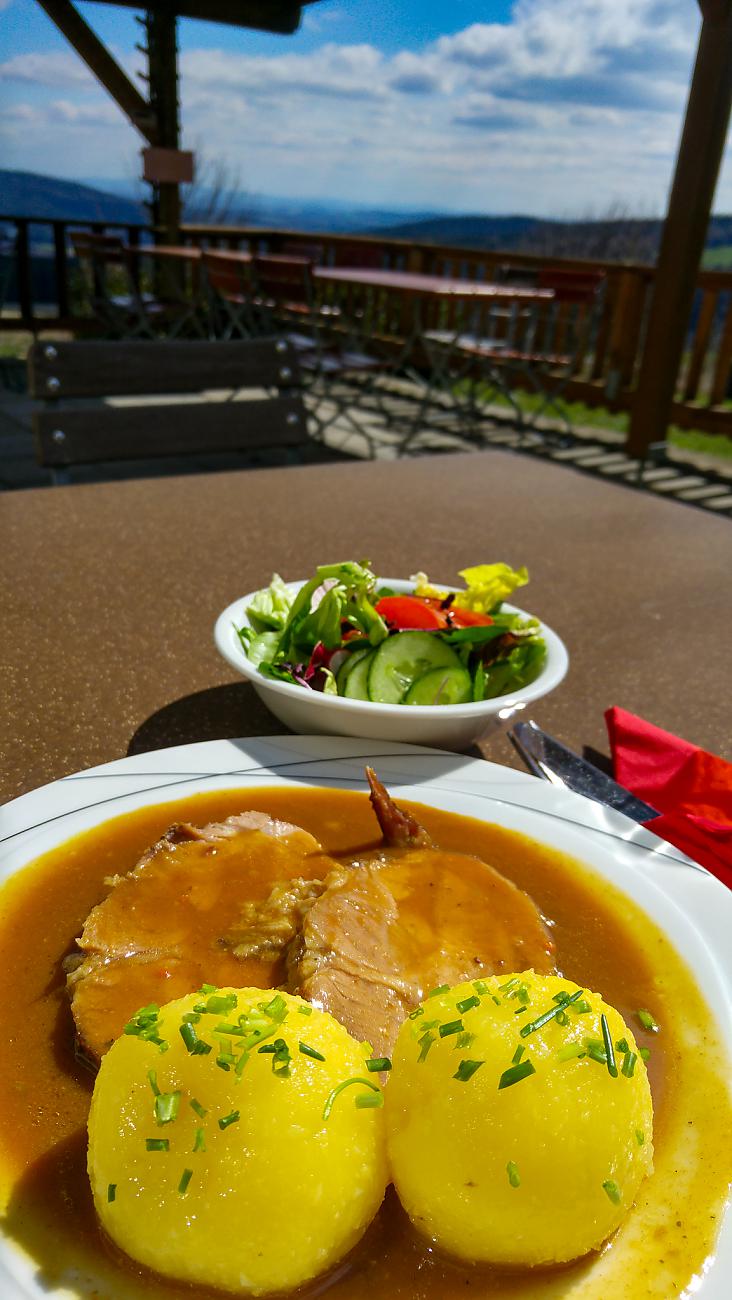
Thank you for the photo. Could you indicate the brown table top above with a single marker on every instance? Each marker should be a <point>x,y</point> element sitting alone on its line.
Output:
<point>416,282</point>
<point>110,592</point>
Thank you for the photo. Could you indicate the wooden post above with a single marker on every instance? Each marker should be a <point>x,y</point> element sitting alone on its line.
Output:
<point>100,62</point>
<point>685,228</point>
<point>162,51</point>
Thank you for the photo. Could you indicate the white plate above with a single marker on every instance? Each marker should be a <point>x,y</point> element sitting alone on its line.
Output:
<point>689,904</point>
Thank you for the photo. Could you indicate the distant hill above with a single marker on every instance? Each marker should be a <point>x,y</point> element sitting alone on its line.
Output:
<point>621,239</point>
<point>27,194</point>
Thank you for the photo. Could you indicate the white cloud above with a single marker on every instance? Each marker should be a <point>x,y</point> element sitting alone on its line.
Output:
<point>572,103</point>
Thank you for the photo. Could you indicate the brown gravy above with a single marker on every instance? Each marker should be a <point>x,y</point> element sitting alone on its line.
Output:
<point>603,941</point>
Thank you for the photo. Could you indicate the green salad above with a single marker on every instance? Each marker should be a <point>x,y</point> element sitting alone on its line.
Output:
<point>347,633</point>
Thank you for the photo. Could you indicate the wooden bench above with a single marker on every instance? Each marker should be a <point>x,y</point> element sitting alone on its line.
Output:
<point>84,434</point>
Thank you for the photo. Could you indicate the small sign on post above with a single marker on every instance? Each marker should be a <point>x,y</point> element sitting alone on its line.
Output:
<point>167,166</point>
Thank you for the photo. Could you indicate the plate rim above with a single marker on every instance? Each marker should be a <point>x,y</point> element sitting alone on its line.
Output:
<point>700,903</point>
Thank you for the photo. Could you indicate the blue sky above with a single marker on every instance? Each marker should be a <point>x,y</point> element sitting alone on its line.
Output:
<point>554,107</point>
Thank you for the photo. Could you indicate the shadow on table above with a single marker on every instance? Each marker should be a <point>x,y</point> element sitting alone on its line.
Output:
<point>218,713</point>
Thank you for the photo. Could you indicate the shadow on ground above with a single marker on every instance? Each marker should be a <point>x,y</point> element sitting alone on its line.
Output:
<point>218,713</point>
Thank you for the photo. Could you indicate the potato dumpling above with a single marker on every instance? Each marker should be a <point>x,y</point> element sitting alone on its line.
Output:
<point>510,1139</point>
<point>225,1159</point>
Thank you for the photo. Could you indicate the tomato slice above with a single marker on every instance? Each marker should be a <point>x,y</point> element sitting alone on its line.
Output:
<point>469,618</point>
<point>407,612</point>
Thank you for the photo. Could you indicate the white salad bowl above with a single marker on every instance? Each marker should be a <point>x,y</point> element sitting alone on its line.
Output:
<point>447,726</point>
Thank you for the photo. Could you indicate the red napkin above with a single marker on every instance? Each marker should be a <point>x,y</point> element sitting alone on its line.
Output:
<point>691,789</point>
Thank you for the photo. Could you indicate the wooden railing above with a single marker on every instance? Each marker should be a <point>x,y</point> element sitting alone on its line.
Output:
<point>607,376</point>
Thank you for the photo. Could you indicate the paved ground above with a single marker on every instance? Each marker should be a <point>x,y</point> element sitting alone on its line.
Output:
<point>385,424</point>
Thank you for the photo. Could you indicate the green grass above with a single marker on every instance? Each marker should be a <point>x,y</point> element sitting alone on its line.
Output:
<point>718,259</point>
<point>598,417</point>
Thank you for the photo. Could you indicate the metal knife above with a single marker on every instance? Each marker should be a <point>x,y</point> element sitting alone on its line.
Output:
<point>553,761</point>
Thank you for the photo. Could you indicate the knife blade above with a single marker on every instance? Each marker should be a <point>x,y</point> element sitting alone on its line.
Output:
<point>549,759</point>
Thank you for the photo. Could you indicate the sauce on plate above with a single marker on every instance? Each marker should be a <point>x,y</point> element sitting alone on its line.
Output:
<point>602,941</point>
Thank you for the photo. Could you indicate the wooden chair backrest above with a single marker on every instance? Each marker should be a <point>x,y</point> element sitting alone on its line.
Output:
<point>98,248</point>
<point>228,276</point>
<point>314,253</point>
<point>77,435</point>
<point>570,285</point>
<point>283,279</point>
<point>365,256</point>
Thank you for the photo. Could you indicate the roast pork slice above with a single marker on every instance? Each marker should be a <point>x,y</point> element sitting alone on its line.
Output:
<point>397,924</point>
<point>160,932</point>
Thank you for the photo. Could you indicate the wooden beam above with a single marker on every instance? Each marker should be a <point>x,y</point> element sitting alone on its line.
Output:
<point>685,228</point>
<point>281,16</point>
<point>162,53</point>
<point>100,62</point>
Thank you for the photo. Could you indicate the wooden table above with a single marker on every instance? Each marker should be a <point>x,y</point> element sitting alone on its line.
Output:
<point>109,593</point>
<point>439,286</point>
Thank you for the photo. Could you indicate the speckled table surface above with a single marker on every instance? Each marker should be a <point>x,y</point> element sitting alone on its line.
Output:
<point>109,593</point>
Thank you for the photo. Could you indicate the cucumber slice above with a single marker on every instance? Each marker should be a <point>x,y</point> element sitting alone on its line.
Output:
<point>348,665</point>
<point>357,682</point>
<point>441,686</point>
<point>401,659</point>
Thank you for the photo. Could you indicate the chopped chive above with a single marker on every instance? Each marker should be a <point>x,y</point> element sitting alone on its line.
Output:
<point>612,1068</point>
<point>629,1061</point>
<point>495,999</point>
<point>453,1027</point>
<point>217,1005</point>
<point>267,1050</point>
<point>613,1191</point>
<point>369,1100</point>
<point>640,1136</point>
<point>428,1024</point>
<point>281,1058</point>
<point>480,987</point>
<point>514,1176</point>
<point>239,1067</point>
<point>200,1142</point>
<point>644,1053</point>
<point>378,1063</point>
<point>199,1109</point>
<point>277,1008</point>
<point>157,1144</point>
<point>572,1051</point>
<point>189,1036</point>
<point>317,1056</point>
<point>562,996</point>
<point>232,1118</point>
<point>503,988</point>
<point>207,989</point>
<point>582,1007</point>
<point>466,1070</point>
<point>562,1018</point>
<point>201,1048</point>
<point>111,1192</point>
<point>466,1004</point>
<point>596,1050</point>
<point>347,1083</point>
<point>622,1045</point>
<point>222,1064</point>
<point>464,1040</point>
<point>533,1025</point>
<point>425,1044</point>
<point>515,1074</point>
<point>441,988</point>
<point>185,1179</point>
<point>518,1054</point>
<point>152,1079</point>
<point>647,1021</point>
<point>167,1105</point>
<point>418,1011</point>
<point>235,1031</point>
<point>305,1011</point>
